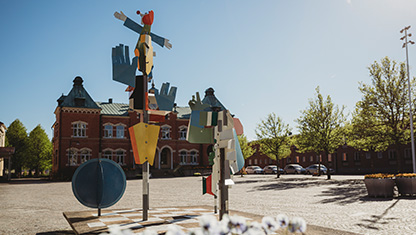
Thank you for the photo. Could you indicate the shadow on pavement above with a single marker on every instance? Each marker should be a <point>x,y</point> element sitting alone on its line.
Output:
<point>56,232</point>
<point>29,181</point>
<point>374,220</point>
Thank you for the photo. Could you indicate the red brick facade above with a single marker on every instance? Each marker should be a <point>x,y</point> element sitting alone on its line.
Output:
<point>82,133</point>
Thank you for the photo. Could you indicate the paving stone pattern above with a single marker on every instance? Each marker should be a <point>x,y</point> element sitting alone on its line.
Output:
<point>36,207</point>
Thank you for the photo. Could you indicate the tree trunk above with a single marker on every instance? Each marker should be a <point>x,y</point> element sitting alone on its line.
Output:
<point>328,172</point>
<point>278,165</point>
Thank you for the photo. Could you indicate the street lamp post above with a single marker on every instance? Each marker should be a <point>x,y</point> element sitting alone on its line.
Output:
<point>410,94</point>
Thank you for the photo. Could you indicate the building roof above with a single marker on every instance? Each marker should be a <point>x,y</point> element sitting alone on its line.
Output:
<point>183,112</point>
<point>78,97</point>
<point>113,109</point>
<point>211,99</point>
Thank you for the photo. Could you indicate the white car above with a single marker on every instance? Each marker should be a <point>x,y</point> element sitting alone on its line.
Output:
<point>254,170</point>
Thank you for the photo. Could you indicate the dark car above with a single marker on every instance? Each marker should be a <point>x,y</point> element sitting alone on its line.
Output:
<point>294,169</point>
<point>272,169</point>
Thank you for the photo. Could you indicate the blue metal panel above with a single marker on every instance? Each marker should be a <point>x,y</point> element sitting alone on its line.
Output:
<point>99,183</point>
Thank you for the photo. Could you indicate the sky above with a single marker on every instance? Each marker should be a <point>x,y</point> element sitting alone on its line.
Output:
<point>259,56</point>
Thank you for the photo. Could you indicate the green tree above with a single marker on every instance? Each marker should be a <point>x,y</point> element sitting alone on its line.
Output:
<point>246,149</point>
<point>274,138</point>
<point>381,117</point>
<point>17,137</point>
<point>320,127</point>
<point>39,157</point>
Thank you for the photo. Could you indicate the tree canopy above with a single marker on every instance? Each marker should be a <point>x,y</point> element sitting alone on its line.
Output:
<point>246,149</point>
<point>39,155</point>
<point>320,126</point>
<point>273,137</point>
<point>17,137</point>
<point>381,117</point>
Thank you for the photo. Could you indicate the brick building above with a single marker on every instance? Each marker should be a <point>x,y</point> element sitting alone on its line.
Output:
<point>86,129</point>
<point>346,160</point>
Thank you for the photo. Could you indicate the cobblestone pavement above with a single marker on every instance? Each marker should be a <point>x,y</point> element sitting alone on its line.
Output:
<point>30,207</point>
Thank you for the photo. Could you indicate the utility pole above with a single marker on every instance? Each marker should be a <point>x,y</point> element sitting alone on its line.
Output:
<point>410,93</point>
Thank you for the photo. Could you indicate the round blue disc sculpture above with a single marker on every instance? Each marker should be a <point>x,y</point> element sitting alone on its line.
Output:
<point>99,183</point>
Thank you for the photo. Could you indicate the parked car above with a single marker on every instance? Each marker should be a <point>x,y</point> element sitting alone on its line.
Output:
<point>254,170</point>
<point>272,169</point>
<point>313,169</point>
<point>294,169</point>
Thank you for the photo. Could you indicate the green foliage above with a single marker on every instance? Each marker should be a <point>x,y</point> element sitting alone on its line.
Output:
<point>320,126</point>
<point>273,137</point>
<point>211,157</point>
<point>381,118</point>
<point>246,149</point>
<point>39,155</point>
<point>17,137</point>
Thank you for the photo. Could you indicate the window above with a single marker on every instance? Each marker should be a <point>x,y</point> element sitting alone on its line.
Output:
<point>319,157</point>
<point>249,161</point>
<point>303,159</point>
<point>407,153</point>
<point>270,161</point>
<point>79,129</point>
<point>165,130</point>
<point>297,159</point>
<point>344,157</point>
<point>120,131</point>
<point>120,156</point>
<point>182,156</point>
<point>182,132</point>
<point>311,158</point>
<point>85,155</point>
<point>255,161</point>
<point>288,160</point>
<point>357,156</point>
<point>260,161</point>
<point>108,130</point>
<point>379,154</point>
<point>392,154</point>
<point>367,155</point>
<point>72,157</point>
<point>164,156</point>
<point>329,157</point>
<point>108,154</point>
<point>194,157</point>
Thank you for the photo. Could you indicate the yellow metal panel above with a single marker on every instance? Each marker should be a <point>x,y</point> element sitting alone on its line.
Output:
<point>146,137</point>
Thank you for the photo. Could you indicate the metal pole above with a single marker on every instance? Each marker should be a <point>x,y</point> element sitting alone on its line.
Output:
<point>222,186</point>
<point>410,103</point>
<point>145,165</point>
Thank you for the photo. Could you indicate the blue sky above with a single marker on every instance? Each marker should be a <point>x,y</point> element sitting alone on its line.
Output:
<point>259,56</point>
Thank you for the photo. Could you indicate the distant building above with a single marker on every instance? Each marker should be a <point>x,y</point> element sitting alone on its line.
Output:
<point>346,160</point>
<point>3,129</point>
<point>86,129</point>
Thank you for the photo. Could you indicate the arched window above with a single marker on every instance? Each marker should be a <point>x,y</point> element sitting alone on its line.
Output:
<point>165,130</point>
<point>164,156</point>
<point>79,129</point>
<point>182,132</point>
<point>183,156</point>
<point>119,154</point>
<point>108,130</point>
<point>194,157</point>
<point>108,154</point>
<point>85,155</point>
<point>72,156</point>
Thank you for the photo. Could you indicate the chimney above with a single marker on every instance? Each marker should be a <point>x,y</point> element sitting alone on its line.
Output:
<point>110,100</point>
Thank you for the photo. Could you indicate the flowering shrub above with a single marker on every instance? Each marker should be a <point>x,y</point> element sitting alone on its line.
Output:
<point>229,225</point>
<point>379,176</point>
<point>406,175</point>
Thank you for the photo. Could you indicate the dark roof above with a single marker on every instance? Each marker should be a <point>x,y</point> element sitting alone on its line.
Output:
<point>211,99</point>
<point>78,97</point>
<point>113,109</point>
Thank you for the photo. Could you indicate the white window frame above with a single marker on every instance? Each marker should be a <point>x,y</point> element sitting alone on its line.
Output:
<point>392,154</point>
<point>120,158</point>
<point>183,156</point>
<point>379,155</point>
<point>108,130</point>
<point>79,129</point>
<point>165,132</point>
<point>193,157</point>
<point>120,131</point>
<point>182,132</point>
<point>72,154</point>
<point>85,155</point>
<point>106,155</point>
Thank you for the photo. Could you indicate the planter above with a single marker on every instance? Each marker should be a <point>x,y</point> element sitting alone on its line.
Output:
<point>406,186</point>
<point>379,187</point>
